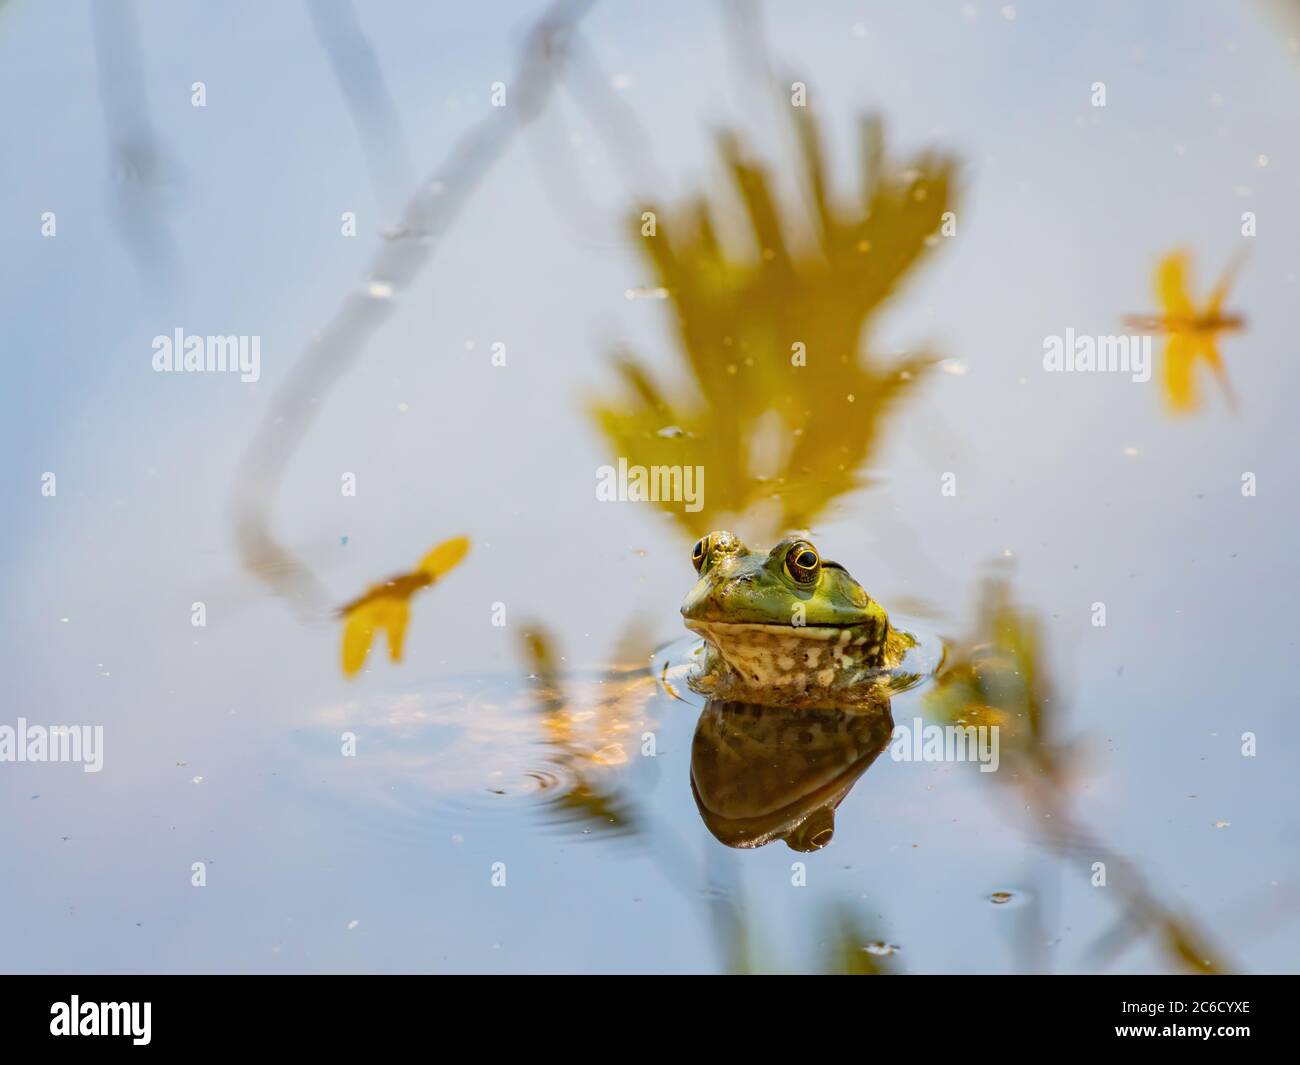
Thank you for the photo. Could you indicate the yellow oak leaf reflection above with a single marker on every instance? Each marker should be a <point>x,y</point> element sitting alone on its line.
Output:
<point>386,606</point>
<point>783,408</point>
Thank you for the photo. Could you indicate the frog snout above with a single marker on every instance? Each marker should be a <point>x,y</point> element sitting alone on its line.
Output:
<point>739,587</point>
<point>738,583</point>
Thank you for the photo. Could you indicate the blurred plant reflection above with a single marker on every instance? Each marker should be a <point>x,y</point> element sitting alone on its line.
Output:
<point>999,678</point>
<point>782,411</point>
<point>143,175</point>
<point>850,950</point>
<point>430,210</point>
<point>589,745</point>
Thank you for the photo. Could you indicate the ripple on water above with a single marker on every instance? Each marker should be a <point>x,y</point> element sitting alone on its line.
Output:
<point>438,759</point>
<point>443,758</point>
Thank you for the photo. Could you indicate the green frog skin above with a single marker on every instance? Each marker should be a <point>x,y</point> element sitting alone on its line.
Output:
<point>784,627</point>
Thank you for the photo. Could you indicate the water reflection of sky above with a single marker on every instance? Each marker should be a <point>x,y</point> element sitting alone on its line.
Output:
<point>1064,211</point>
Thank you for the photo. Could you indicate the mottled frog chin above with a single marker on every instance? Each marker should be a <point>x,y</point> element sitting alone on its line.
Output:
<point>788,664</point>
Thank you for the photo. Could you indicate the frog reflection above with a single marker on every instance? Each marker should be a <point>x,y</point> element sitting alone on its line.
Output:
<point>760,774</point>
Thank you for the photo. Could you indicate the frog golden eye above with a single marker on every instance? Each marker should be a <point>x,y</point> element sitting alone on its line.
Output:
<point>802,562</point>
<point>699,552</point>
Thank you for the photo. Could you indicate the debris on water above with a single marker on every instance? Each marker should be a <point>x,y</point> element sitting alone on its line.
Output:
<point>352,924</point>
<point>881,949</point>
<point>379,290</point>
<point>1007,898</point>
<point>646,293</point>
<point>1222,824</point>
<point>672,432</point>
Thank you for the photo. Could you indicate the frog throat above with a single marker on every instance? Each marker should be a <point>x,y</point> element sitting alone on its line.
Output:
<point>786,663</point>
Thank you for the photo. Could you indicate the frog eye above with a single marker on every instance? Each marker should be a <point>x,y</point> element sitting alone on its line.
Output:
<point>699,552</point>
<point>802,562</point>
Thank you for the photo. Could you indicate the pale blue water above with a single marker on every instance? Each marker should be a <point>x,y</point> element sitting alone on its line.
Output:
<point>223,743</point>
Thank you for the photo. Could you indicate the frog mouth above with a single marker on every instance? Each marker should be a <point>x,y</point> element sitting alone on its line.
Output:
<point>822,631</point>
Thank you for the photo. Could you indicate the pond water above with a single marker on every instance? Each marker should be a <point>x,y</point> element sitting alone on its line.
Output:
<point>534,787</point>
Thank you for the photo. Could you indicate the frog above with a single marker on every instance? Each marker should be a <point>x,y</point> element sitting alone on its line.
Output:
<point>785,627</point>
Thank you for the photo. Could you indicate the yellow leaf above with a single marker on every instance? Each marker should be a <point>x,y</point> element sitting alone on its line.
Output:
<point>395,615</point>
<point>358,631</point>
<point>1180,388</point>
<point>1225,282</point>
<point>1171,287</point>
<point>445,556</point>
